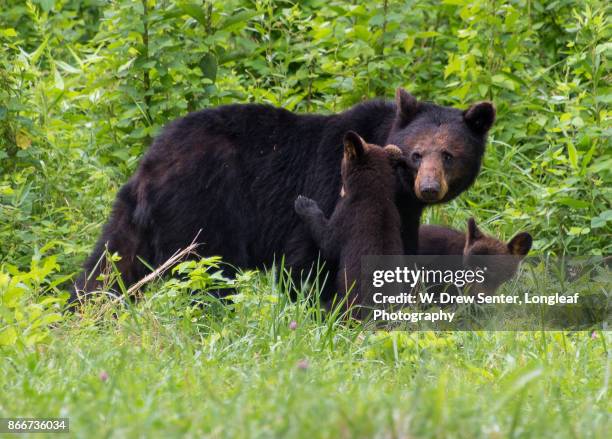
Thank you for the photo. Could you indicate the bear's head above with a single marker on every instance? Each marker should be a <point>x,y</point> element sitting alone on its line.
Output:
<point>443,146</point>
<point>367,167</point>
<point>501,259</point>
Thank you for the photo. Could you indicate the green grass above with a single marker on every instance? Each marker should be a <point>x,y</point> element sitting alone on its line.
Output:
<point>166,368</point>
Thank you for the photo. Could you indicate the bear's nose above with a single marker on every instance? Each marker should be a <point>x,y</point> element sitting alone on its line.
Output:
<point>430,191</point>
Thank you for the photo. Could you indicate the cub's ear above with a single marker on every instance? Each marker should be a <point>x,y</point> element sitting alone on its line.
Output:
<point>473,232</point>
<point>354,146</point>
<point>407,107</point>
<point>394,154</point>
<point>480,117</point>
<point>520,244</point>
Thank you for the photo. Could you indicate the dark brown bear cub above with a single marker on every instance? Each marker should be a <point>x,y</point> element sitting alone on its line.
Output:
<point>365,220</point>
<point>474,245</point>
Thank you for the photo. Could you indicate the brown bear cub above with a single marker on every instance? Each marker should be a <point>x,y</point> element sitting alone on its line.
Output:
<point>365,220</point>
<point>436,240</point>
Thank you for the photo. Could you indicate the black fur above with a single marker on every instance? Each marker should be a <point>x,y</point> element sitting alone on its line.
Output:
<point>234,171</point>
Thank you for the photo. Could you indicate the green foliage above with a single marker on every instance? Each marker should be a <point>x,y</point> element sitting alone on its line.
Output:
<point>84,86</point>
<point>27,309</point>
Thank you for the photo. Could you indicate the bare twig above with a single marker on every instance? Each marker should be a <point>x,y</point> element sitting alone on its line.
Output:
<point>159,271</point>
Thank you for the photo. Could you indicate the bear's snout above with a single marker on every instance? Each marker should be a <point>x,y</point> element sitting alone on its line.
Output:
<point>430,191</point>
<point>430,184</point>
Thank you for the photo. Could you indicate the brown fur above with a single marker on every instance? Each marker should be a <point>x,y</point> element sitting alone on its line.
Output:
<point>437,153</point>
<point>436,240</point>
<point>365,220</point>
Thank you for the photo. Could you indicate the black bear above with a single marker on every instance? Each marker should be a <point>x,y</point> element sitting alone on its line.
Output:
<point>475,247</point>
<point>365,220</point>
<point>230,175</point>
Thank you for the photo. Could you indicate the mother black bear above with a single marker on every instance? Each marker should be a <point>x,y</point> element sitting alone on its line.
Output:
<point>233,172</point>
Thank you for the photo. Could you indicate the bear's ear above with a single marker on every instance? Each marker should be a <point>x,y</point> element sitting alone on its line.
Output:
<point>407,107</point>
<point>480,117</point>
<point>520,244</point>
<point>400,166</point>
<point>473,232</point>
<point>354,146</point>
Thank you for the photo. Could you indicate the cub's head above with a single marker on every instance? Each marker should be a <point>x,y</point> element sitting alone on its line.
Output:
<point>366,166</point>
<point>443,146</point>
<point>501,259</point>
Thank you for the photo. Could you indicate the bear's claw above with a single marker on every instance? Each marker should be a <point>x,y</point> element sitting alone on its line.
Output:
<point>305,206</point>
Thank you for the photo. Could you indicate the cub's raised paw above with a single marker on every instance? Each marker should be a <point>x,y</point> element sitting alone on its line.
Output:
<point>304,206</point>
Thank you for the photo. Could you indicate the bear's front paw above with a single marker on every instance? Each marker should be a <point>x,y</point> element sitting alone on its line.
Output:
<point>304,206</point>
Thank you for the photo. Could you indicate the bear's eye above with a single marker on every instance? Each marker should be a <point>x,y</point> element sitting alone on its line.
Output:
<point>447,157</point>
<point>416,158</point>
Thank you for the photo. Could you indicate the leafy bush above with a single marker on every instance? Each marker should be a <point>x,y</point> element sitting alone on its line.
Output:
<point>27,310</point>
<point>84,86</point>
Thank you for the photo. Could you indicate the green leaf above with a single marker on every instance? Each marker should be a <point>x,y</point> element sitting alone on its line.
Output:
<point>576,231</point>
<point>8,336</point>
<point>13,293</point>
<point>59,81</point>
<point>50,318</point>
<point>45,5</point>
<point>503,81</point>
<point>454,65</point>
<point>238,18</point>
<point>9,32</point>
<point>572,154</point>
<point>409,43</point>
<point>67,67</point>
<point>573,203</point>
<point>322,32</point>
<point>602,219</point>
<point>39,51</point>
<point>194,10</point>
<point>208,65</point>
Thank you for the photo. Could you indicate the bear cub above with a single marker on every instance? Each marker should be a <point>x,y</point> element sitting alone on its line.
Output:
<point>473,246</point>
<point>365,220</point>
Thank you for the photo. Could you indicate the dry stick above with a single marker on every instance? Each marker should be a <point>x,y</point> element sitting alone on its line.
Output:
<point>159,271</point>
